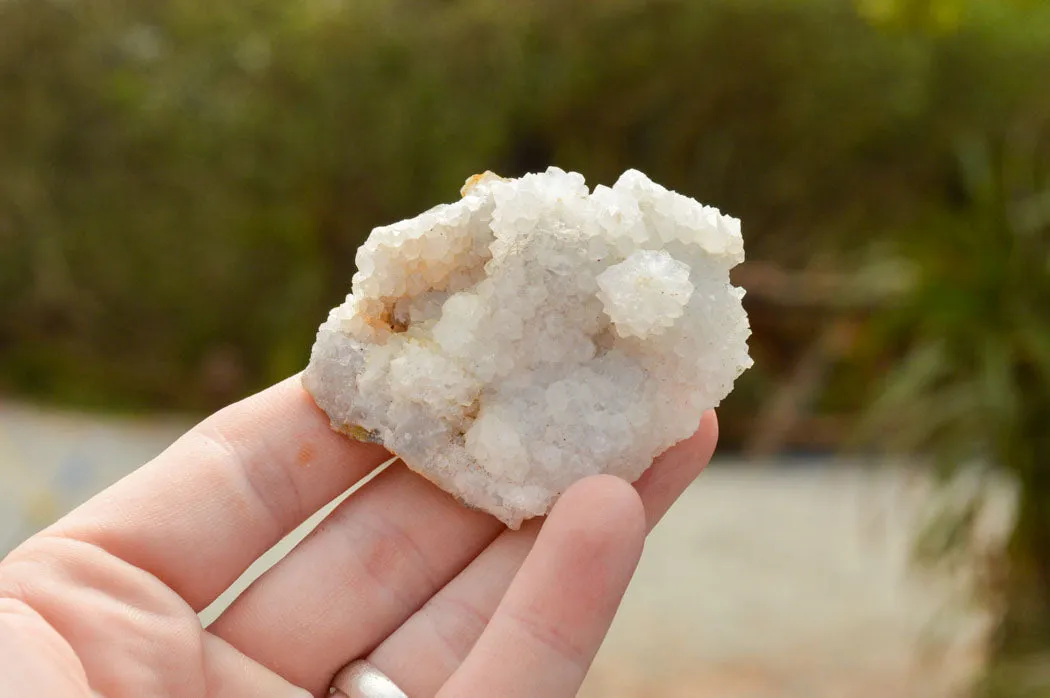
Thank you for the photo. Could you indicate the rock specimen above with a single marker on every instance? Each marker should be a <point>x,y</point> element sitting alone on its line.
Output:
<point>534,333</point>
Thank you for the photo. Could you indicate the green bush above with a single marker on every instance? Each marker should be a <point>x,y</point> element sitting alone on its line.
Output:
<point>183,185</point>
<point>974,381</point>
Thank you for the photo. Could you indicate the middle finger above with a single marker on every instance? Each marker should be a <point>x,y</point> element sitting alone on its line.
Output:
<point>425,651</point>
<point>365,569</point>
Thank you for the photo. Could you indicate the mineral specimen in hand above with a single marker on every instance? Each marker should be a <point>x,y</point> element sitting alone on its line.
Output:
<point>534,333</point>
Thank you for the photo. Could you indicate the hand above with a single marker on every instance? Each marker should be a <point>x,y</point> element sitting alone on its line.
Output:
<point>444,600</point>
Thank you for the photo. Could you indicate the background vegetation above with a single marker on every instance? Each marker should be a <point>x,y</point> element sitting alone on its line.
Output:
<point>183,186</point>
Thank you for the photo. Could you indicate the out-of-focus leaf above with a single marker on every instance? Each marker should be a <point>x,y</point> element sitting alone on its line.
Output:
<point>903,392</point>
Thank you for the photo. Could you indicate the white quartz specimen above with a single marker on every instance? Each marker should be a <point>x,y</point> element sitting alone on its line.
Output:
<point>534,333</point>
<point>644,294</point>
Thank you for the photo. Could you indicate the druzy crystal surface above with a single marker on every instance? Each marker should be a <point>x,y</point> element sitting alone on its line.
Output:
<point>534,333</point>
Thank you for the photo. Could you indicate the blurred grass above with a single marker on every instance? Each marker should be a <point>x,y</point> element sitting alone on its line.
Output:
<point>1026,676</point>
<point>182,186</point>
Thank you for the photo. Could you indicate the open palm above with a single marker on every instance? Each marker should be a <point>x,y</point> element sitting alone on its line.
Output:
<point>444,600</point>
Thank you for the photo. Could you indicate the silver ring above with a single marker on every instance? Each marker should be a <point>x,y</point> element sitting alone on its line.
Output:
<point>362,679</point>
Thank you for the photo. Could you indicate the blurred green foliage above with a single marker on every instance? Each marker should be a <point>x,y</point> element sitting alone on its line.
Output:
<point>183,185</point>
<point>973,378</point>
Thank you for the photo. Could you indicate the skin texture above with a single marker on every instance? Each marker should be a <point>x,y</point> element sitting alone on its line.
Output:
<point>444,600</point>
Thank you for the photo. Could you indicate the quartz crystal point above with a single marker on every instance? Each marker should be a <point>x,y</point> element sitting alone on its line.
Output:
<point>533,333</point>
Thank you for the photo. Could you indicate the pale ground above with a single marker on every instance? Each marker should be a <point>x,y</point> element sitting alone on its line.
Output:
<point>764,581</point>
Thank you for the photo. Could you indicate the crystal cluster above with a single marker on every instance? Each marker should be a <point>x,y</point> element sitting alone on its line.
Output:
<point>534,333</point>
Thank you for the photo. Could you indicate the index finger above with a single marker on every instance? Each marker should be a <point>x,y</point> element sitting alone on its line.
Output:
<point>202,511</point>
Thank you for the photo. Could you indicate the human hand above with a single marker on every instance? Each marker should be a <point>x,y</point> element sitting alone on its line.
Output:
<point>444,600</point>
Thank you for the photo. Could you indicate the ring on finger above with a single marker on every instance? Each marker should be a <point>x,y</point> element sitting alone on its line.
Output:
<point>361,679</point>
